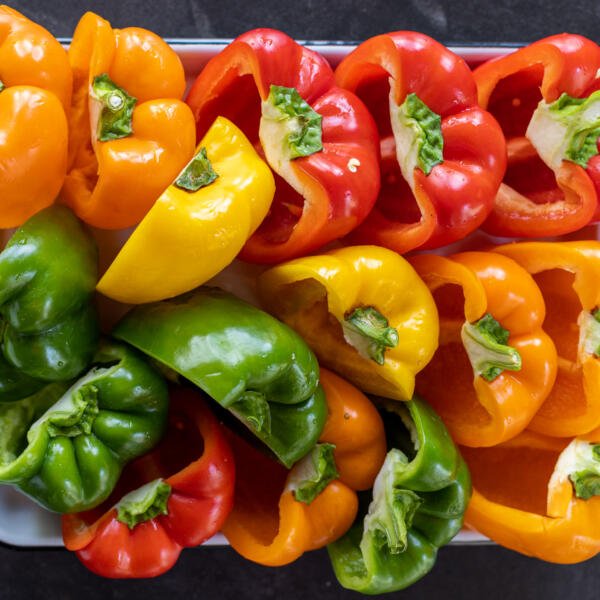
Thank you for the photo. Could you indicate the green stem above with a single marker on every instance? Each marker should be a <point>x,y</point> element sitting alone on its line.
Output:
<point>144,504</point>
<point>116,115</point>
<point>589,332</point>
<point>198,173</point>
<point>253,408</point>
<point>369,332</point>
<point>311,475</point>
<point>74,414</point>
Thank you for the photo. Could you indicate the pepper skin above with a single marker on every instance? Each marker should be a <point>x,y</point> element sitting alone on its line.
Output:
<point>48,272</point>
<point>567,274</point>
<point>364,312</point>
<point>188,236</point>
<point>425,206</point>
<point>486,390</point>
<point>146,539</point>
<point>116,174</point>
<point>542,194</point>
<point>250,363</point>
<point>269,524</point>
<point>35,85</point>
<point>66,449</point>
<point>419,499</point>
<point>524,497</point>
<point>320,139</point>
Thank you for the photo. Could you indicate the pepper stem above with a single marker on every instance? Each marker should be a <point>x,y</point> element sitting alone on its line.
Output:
<point>580,463</point>
<point>116,114</point>
<point>2,86</point>
<point>74,414</point>
<point>369,332</point>
<point>311,475</point>
<point>144,504</point>
<point>198,173</point>
<point>253,408</point>
<point>486,344</point>
<point>589,332</point>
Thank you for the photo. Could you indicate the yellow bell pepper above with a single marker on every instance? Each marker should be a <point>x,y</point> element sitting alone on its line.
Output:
<point>198,225</point>
<point>363,310</point>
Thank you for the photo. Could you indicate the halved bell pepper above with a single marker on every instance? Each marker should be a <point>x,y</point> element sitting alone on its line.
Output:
<point>442,156</point>
<point>568,275</point>
<point>250,363</point>
<point>65,448</point>
<point>278,515</point>
<point>198,225</point>
<point>35,92</point>
<point>419,499</point>
<point>495,365</point>
<point>539,94</point>
<point>538,495</point>
<point>319,139</point>
<point>364,312</point>
<point>130,134</point>
<point>182,494</point>
<point>49,327</point>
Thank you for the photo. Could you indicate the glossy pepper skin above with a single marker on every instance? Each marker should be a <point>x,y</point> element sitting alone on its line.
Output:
<point>483,407</point>
<point>48,272</point>
<point>327,190</point>
<point>66,448</point>
<point>443,202</point>
<point>567,274</point>
<point>269,524</point>
<point>524,496</point>
<point>319,295</point>
<point>419,499</point>
<point>114,179</point>
<point>36,91</point>
<point>250,363</point>
<point>196,463</point>
<point>537,199</point>
<point>188,236</point>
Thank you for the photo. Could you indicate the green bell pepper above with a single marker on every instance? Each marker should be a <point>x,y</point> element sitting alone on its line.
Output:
<point>419,498</point>
<point>48,326</point>
<point>65,447</point>
<point>249,362</point>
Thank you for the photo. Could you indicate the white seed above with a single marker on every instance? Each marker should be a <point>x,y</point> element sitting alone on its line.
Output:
<point>353,165</point>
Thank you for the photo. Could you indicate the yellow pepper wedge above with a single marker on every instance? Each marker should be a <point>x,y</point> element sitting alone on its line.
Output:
<point>189,235</point>
<point>363,310</point>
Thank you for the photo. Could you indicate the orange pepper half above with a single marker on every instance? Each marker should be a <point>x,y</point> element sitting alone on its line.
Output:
<point>130,134</point>
<point>35,86</point>
<point>525,498</point>
<point>495,365</point>
<point>568,274</point>
<point>268,525</point>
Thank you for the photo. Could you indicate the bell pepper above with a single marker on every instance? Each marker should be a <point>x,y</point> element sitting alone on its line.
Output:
<point>567,274</point>
<point>198,225</point>
<point>250,363</point>
<point>182,494</point>
<point>35,92</point>
<point>364,312</point>
<point>442,156</point>
<point>419,498</point>
<point>319,139</point>
<point>130,135</point>
<point>66,448</point>
<point>495,365</point>
<point>278,515</point>
<point>538,495</point>
<point>49,326</point>
<point>539,94</point>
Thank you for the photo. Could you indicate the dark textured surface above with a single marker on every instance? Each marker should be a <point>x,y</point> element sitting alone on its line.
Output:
<point>462,572</point>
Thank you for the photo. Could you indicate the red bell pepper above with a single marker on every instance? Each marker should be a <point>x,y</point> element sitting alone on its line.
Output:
<point>442,156</point>
<point>319,139</point>
<point>144,533</point>
<point>538,95</point>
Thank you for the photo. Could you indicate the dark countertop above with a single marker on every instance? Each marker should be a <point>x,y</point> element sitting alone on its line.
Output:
<point>462,572</point>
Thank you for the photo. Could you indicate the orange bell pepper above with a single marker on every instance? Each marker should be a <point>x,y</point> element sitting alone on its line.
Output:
<point>269,524</point>
<point>493,370</point>
<point>536,495</point>
<point>568,273</point>
<point>36,85</point>
<point>130,134</point>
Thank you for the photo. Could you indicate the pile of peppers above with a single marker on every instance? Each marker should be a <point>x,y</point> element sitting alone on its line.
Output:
<point>236,310</point>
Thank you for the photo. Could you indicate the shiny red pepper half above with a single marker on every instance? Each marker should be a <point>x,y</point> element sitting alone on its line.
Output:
<point>319,139</point>
<point>542,95</point>
<point>442,156</point>
<point>144,533</point>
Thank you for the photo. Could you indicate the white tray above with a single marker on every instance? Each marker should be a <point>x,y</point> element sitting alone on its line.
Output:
<point>24,523</point>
